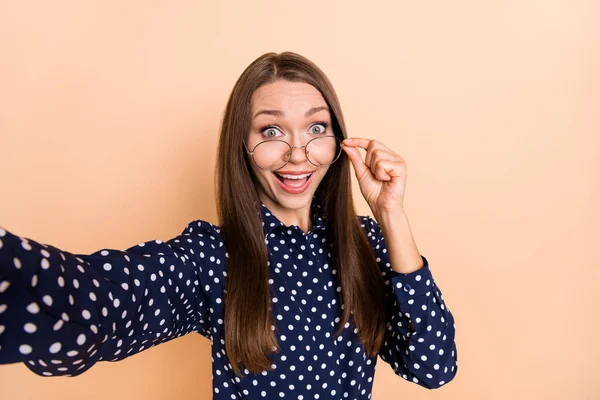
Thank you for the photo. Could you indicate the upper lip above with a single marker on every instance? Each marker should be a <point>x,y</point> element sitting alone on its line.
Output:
<point>294,172</point>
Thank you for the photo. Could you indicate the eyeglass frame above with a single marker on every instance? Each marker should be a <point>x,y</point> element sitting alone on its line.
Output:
<point>251,152</point>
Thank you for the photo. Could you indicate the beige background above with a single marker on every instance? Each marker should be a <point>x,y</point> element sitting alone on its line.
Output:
<point>109,116</point>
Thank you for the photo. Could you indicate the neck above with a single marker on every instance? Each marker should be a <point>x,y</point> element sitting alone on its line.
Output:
<point>290,216</point>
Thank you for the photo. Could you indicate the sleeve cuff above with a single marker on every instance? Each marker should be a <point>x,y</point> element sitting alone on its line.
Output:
<point>414,284</point>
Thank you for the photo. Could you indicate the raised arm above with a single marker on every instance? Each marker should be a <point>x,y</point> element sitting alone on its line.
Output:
<point>419,340</point>
<point>61,312</point>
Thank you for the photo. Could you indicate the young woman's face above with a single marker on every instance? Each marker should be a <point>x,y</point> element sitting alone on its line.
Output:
<point>294,112</point>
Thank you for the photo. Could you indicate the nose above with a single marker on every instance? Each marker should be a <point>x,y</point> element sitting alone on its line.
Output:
<point>298,145</point>
<point>298,155</point>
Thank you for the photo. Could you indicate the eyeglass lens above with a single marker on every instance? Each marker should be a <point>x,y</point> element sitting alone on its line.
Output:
<point>274,154</point>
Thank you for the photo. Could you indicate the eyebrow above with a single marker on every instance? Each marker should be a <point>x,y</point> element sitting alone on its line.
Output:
<point>279,113</point>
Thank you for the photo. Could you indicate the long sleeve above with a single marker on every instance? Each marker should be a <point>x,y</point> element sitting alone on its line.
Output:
<point>419,340</point>
<point>60,313</point>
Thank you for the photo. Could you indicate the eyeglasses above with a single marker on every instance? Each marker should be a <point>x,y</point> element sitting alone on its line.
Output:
<point>271,155</point>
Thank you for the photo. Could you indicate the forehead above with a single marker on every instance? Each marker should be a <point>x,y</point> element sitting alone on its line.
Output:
<point>287,96</point>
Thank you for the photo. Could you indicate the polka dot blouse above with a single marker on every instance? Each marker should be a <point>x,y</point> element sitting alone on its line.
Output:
<point>60,313</point>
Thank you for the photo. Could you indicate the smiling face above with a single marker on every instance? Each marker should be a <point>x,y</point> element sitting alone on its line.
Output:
<point>294,112</point>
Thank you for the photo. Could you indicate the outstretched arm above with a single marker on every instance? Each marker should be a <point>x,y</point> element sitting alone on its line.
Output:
<point>62,312</point>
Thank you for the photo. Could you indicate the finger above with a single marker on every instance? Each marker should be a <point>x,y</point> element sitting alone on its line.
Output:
<point>369,155</point>
<point>394,169</point>
<point>368,145</point>
<point>357,142</point>
<point>375,150</point>
<point>375,146</point>
<point>380,171</point>
<point>360,168</point>
<point>364,143</point>
<point>373,154</point>
<point>380,154</point>
<point>360,143</point>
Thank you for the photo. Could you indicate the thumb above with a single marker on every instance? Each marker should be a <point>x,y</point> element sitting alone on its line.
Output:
<point>356,159</point>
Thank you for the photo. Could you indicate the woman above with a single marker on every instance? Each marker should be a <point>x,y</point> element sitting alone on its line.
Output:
<point>293,285</point>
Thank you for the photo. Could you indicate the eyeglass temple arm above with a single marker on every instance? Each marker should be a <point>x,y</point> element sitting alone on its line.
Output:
<point>246,147</point>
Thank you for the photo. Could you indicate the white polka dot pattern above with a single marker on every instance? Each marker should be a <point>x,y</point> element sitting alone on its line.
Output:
<point>60,313</point>
<point>103,306</point>
<point>419,342</point>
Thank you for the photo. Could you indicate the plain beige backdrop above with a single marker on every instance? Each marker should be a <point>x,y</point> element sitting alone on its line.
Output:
<point>109,118</point>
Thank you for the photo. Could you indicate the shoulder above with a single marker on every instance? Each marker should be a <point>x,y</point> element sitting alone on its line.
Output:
<point>203,240</point>
<point>200,227</point>
<point>206,238</point>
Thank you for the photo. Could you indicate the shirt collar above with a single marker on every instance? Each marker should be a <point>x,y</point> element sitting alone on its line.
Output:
<point>271,222</point>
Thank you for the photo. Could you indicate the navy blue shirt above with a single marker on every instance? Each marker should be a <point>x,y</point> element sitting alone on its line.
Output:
<point>60,313</point>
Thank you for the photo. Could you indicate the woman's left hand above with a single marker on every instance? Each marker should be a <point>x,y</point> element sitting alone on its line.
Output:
<point>381,176</point>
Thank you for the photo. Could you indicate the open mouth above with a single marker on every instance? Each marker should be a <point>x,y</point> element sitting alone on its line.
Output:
<point>294,183</point>
<point>293,180</point>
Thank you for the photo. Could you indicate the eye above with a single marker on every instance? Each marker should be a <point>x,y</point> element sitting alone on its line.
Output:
<point>269,131</point>
<point>319,128</point>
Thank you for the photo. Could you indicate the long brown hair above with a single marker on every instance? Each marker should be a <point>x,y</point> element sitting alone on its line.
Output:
<point>249,337</point>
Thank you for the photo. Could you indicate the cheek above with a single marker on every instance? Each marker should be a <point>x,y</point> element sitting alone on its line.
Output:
<point>324,170</point>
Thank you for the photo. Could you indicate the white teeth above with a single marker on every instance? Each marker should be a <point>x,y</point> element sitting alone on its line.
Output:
<point>295,176</point>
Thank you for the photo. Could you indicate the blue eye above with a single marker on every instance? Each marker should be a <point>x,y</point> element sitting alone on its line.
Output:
<point>324,126</point>
<point>269,131</point>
